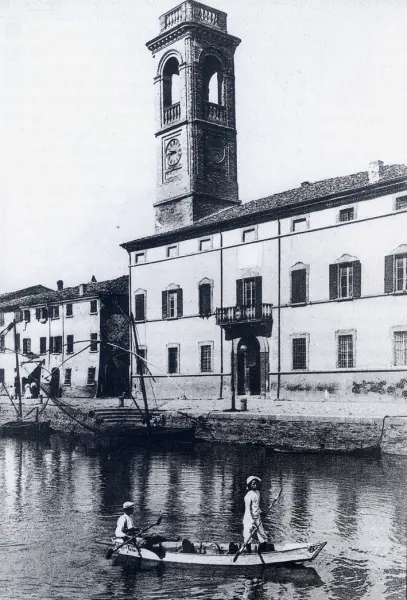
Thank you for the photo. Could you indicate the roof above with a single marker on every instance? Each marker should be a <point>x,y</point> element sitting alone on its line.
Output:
<point>308,191</point>
<point>111,287</point>
<point>34,289</point>
<point>276,205</point>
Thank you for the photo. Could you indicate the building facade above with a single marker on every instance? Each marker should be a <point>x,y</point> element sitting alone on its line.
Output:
<point>302,292</point>
<point>69,334</point>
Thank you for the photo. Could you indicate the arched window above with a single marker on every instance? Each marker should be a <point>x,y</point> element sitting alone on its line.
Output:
<point>140,305</point>
<point>299,283</point>
<point>345,276</point>
<point>395,270</point>
<point>205,292</point>
<point>212,71</point>
<point>172,302</point>
<point>171,87</point>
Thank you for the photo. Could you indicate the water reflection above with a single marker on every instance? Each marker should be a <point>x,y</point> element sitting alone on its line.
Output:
<point>59,499</point>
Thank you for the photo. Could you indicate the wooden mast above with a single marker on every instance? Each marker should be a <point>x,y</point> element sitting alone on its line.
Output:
<point>17,382</point>
<point>140,370</point>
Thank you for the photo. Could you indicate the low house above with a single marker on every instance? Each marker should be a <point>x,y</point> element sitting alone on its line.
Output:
<point>79,335</point>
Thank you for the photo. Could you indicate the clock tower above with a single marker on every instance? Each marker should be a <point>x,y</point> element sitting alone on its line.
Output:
<point>195,115</point>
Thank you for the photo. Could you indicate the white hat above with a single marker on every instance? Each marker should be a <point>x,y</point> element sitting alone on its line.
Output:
<point>252,478</point>
<point>128,505</point>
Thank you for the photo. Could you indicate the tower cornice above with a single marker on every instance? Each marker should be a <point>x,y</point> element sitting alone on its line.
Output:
<point>183,29</point>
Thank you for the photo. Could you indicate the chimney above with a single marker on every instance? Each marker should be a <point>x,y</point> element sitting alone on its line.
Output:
<point>82,288</point>
<point>375,170</point>
<point>60,285</point>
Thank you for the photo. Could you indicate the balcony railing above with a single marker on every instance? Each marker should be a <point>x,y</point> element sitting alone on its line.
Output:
<point>191,11</point>
<point>214,112</point>
<point>243,314</point>
<point>172,113</point>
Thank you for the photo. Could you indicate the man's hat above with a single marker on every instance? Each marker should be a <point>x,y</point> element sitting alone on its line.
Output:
<point>252,478</point>
<point>128,505</point>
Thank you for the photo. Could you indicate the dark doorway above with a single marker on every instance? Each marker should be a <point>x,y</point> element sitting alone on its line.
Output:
<point>54,384</point>
<point>248,366</point>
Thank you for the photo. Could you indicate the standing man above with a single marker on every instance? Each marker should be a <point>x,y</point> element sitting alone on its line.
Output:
<point>252,525</point>
<point>125,526</point>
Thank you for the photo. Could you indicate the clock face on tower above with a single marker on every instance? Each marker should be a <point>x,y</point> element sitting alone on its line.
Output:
<point>173,153</point>
<point>215,149</point>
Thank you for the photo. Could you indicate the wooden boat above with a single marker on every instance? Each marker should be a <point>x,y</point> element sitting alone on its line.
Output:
<point>124,425</point>
<point>129,425</point>
<point>25,429</point>
<point>155,436</point>
<point>359,451</point>
<point>219,555</point>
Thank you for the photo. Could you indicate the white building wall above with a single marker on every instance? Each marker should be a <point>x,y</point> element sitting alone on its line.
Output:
<point>376,231</point>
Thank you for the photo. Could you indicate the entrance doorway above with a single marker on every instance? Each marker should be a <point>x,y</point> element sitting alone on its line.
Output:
<point>54,384</point>
<point>248,366</point>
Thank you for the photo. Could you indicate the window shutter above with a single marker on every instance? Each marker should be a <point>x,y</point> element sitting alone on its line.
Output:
<point>258,286</point>
<point>164,303</point>
<point>298,286</point>
<point>140,316</point>
<point>180,303</point>
<point>389,274</point>
<point>333,282</point>
<point>51,345</point>
<point>205,299</point>
<point>38,314</point>
<point>239,292</point>
<point>357,279</point>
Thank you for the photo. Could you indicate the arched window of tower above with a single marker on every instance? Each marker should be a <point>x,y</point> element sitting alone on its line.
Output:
<point>212,80</point>
<point>171,87</point>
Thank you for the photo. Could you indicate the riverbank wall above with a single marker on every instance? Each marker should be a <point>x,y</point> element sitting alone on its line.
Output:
<point>293,432</point>
<point>308,434</point>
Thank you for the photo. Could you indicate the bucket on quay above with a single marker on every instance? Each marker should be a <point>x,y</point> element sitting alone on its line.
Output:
<point>243,404</point>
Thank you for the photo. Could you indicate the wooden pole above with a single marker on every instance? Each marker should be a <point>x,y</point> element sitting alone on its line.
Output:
<point>233,407</point>
<point>140,369</point>
<point>17,382</point>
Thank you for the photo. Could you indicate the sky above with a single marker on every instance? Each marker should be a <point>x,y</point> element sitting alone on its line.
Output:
<point>320,86</point>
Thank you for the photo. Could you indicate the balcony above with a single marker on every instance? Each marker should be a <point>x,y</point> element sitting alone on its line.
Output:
<point>191,11</point>
<point>172,113</point>
<point>231,315</point>
<point>214,112</point>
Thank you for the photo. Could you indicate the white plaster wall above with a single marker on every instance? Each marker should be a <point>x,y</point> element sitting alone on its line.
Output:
<point>80,325</point>
<point>372,316</point>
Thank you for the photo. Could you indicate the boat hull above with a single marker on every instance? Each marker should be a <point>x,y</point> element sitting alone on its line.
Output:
<point>156,436</point>
<point>214,555</point>
<point>25,429</point>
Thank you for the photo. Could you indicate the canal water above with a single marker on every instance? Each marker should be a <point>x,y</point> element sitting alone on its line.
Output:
<point>60,501</point>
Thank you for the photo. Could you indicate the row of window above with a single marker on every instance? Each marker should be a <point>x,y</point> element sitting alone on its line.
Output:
<point>90,379</point>
<point>173,358</point>
<point>250,234</point>
<point>346,350</point>
<point>172,302</point>
<point>55,344</point>
<point>345,279</point>
<point>51,312</point>
<point>345,357</point>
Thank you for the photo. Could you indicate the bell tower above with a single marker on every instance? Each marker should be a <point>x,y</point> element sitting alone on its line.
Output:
<point>195,115</point>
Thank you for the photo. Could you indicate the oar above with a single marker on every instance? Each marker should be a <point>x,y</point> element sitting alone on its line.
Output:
<point>240,551</point>
<point>111,551</point>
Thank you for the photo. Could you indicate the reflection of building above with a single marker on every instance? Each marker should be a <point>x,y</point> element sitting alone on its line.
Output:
<point>62,330</point>
<point>299,291</point>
